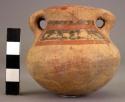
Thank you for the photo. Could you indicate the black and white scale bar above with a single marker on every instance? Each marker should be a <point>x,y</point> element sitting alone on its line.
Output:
<point>13,61</point>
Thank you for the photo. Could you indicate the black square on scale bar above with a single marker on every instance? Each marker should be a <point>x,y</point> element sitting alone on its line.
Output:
<point>13,61</point>
<point>13,34</point>
<point>12,88</point>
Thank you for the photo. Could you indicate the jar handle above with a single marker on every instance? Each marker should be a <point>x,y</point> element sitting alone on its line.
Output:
<point>108,21</point>
<point>34,21</point>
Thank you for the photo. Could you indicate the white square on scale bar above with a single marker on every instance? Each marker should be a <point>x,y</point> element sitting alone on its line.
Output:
<point>13,48</point>
<point>12,75</point>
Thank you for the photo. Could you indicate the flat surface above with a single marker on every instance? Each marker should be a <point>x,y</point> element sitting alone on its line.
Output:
<point>15,14</point>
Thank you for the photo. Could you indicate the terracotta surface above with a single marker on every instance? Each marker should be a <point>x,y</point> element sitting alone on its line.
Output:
<point>72,56</point>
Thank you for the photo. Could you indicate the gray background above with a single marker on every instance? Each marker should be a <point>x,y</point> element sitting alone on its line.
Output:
<point>15,13</point>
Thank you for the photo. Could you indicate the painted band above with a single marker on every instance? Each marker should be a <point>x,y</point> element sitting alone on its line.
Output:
<point>69,27</point>
<point>74,42</point>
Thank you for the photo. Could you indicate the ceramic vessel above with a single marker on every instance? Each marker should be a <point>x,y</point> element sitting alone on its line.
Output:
<point>72,56</point>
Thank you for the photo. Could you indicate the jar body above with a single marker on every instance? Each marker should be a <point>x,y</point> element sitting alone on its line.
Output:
<point>72,58</point>
<point>77,71</point>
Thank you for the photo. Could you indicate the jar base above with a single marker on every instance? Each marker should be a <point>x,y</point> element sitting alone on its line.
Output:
<point>70,96</point>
